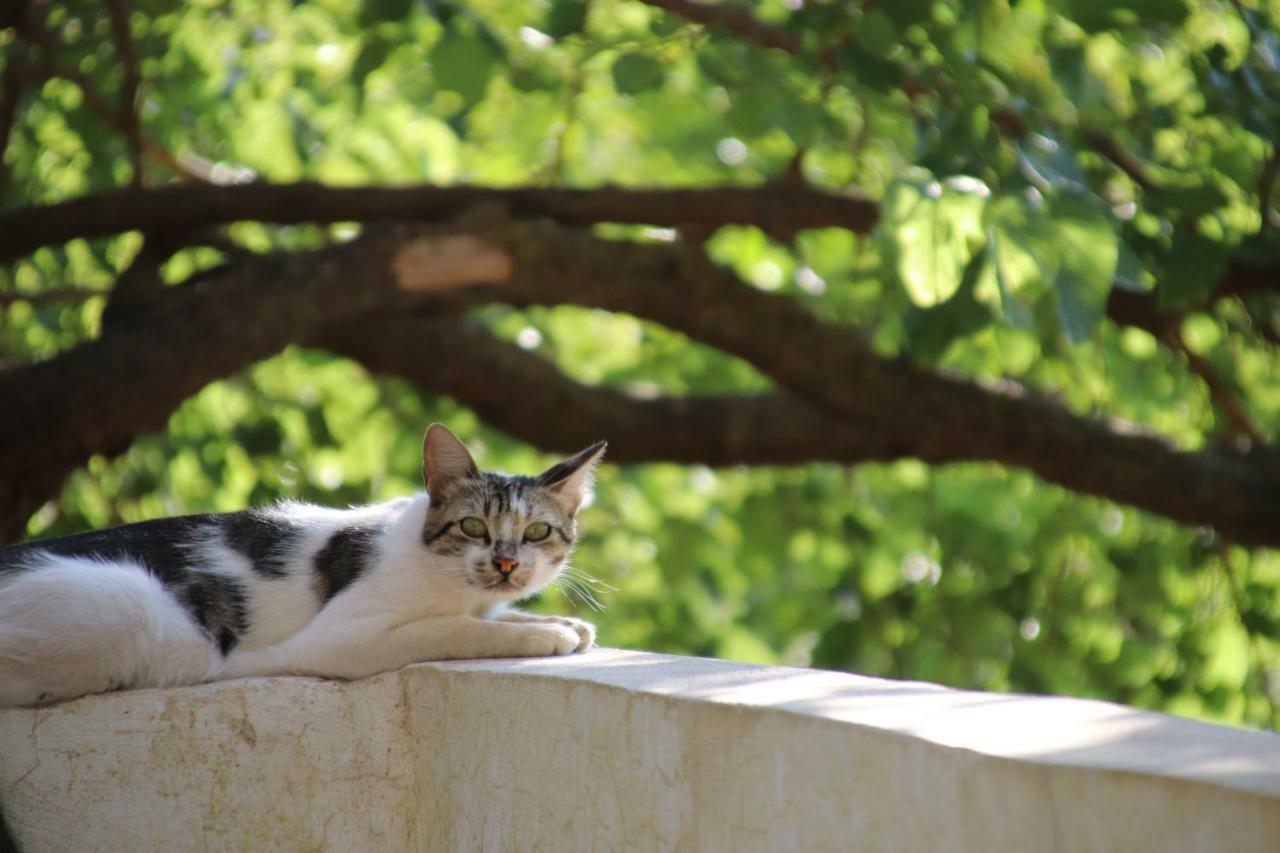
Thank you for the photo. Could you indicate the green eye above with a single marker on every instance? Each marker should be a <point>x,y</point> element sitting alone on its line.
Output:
<point>474,527</point>
<point>537,531</point>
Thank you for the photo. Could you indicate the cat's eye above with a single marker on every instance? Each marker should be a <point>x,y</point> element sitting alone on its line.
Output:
<point>537,531</point>
<point>474,527</point>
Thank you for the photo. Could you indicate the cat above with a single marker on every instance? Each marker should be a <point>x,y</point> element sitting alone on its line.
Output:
<point>296,589</point>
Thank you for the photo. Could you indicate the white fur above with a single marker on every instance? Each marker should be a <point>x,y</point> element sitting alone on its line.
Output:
<point>70,626</point>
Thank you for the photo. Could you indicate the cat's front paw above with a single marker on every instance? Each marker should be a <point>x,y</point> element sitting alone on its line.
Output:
<point>585,630</point>
<point>544,639</point>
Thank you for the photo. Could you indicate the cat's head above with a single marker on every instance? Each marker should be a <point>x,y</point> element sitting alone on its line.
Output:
<point>509,535</point>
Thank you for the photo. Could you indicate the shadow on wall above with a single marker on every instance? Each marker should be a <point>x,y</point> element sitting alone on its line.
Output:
<point>7,844</point>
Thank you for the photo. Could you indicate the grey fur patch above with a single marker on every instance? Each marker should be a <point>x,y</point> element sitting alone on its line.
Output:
<point>267,540</point>
<point>163,546</point>
<point>219,604</point>
<point>347,555</point>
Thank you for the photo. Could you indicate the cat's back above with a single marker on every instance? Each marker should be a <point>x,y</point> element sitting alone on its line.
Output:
<point>271,543</point>
<point>162,545</point>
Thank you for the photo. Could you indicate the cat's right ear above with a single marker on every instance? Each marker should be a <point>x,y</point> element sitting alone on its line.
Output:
<point>445,462</point>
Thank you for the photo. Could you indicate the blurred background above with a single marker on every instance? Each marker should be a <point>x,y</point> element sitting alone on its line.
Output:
<point>1030,160</point>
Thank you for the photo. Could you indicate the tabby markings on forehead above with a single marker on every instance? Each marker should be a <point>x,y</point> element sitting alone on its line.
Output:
<point>428,536</point>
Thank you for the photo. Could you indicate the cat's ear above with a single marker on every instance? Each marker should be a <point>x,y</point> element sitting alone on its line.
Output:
<point>571,479</point>
<point>445,462</point>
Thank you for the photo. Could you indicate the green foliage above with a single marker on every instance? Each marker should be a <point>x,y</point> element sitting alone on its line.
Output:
<point>989,130</point>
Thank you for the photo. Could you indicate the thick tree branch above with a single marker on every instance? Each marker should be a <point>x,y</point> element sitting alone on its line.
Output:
<point>773,208</point>
<point>931,415</point>
<point>60,412</point>
<point>525,395</point>
<point>779,208</point>
<point>100,396</point>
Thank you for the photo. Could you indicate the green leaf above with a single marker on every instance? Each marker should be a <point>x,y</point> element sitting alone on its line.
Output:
<point>867,69</point>
<point>1191,270</point>
<point>1130,273</point>
<point>929,331</point>
<point>265,141</point>
<point>634,73</point>
<point>876,31</point>
<point>1050,164</point>
<point>932,229</point>
<point>534,75</point>
<point>377,11</point>
<point>754,111</point>
<point>1088,253</point>
<point>722,61</point>
<point>463,60</point>
<point>1228,662</point>
<point>1187,203</point>
<point>372,54</point>
<point>1026,242</point>
<point>1094,16</point>
<point>565,17</point>
<point>1013,309</point>
<point>904,13</point>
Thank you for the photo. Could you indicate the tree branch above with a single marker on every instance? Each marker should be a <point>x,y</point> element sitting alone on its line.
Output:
<point>121,120</point>
<point>780,208</point>
<point>932,415</point>
<point>181,208</point>
<point>99,396</point>
<point>556,413</point>
<point>1223,397</point>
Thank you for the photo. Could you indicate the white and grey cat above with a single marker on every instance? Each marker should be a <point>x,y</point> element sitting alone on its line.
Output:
<point>297,589</point>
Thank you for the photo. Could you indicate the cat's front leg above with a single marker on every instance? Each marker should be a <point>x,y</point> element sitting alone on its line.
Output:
<point>365,648</point>
<point>585,630</point>
<point>461,637</point>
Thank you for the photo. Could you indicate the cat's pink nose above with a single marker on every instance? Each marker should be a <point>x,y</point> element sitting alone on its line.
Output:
<point>505,566</point>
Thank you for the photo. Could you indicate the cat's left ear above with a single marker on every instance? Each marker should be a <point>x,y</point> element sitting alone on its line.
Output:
<point>445,462</point>
<point>571,479</point>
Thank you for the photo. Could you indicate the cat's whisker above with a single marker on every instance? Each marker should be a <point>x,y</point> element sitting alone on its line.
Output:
<point>581,576</point>
<point>573,588</point>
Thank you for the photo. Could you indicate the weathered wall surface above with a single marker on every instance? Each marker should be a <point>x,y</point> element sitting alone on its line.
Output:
<point>625,751</point>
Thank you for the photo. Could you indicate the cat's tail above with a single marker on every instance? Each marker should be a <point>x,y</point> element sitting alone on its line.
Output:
<point>71,626</point>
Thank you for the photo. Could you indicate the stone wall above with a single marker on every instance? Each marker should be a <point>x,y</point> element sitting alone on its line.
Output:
<point>619,750</point>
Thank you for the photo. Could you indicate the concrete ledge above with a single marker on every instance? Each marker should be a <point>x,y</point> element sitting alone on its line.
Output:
<point>625,750</point>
